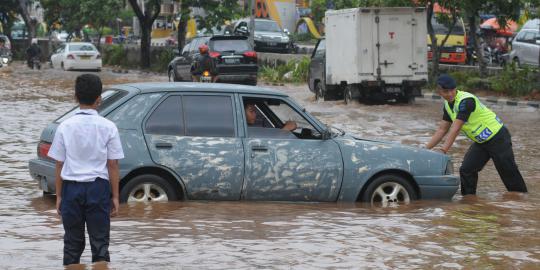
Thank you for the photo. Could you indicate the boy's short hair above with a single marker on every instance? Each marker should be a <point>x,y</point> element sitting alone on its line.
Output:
<point>88,88</point>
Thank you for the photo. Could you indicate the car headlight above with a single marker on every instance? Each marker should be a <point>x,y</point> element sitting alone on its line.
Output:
<point>459,49</point>
<point>4,60</point>
<point>285,39</point>
<point>449,168</point>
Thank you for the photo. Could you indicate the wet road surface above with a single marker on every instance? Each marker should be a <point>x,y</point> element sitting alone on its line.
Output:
<point>495,230</point>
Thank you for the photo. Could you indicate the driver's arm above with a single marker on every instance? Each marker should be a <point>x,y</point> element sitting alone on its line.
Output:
<point>289,125</point>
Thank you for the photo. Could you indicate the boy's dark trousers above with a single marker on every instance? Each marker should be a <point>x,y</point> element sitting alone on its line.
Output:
<point>86,203</point>
<point>498,148</point>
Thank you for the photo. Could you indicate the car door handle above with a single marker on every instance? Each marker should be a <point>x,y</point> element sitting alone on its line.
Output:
<point>259,148</point>
<point>163,145</point>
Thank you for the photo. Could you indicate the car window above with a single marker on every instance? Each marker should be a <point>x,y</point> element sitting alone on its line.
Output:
<point>186,48</point>
<point>223,45</point>
<point>321,48</point>
<point>107,98</point>
<point>274,113</point>
<point>529,37</point>
<point>166,119</point>
<point>520,36</point>
<point>209,116</point>
<point>269,26</point>
<point>196,43</point>
<point>82,47</point>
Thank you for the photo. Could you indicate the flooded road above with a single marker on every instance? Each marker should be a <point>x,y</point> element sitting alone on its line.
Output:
<point>495,230</point>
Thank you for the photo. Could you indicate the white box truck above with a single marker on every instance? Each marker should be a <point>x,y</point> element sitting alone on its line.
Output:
<point>371,53</point>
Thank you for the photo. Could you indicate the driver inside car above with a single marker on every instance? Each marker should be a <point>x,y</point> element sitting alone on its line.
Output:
<point>251,118</point>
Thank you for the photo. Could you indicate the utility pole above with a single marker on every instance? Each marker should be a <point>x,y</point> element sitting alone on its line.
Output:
<point>251,27</point>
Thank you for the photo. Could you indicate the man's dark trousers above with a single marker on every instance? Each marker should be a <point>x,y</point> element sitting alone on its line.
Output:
<point>498,148</point>
<point>90,203</point>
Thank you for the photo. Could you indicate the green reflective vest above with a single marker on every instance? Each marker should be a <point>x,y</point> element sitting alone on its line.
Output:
<point>482,124</point>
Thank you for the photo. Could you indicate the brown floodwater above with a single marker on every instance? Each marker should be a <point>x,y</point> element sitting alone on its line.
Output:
<point>494,230</point>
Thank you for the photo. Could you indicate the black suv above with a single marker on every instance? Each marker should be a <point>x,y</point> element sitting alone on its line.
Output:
<point>235,59</point>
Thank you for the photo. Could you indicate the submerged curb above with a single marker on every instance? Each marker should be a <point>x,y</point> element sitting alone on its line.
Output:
<point>502,101</point>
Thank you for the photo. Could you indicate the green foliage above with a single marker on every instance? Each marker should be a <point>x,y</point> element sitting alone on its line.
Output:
<point>114,55</point>
<point>162,58</point>
<point>304,38</point>
<point>516,82</point>
<point>295,71</point>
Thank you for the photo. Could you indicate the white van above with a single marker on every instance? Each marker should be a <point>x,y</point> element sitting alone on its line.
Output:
<point>526,44</point>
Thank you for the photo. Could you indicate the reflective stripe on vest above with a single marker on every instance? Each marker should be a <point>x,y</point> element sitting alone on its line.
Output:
<point>482,124</point>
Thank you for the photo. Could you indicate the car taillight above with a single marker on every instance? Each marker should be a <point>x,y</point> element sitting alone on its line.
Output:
<point>98,56</point>
<point>214,54</point>
<point>43,149</point>
<point>251,54</point>
<point>70,56</point>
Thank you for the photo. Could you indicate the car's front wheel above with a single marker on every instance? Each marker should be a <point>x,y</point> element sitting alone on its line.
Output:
<point>388,190</point>
<point>147,188</point>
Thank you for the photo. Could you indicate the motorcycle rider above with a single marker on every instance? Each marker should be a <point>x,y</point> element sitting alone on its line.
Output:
<point>202,63</point>
<point>34,51</point>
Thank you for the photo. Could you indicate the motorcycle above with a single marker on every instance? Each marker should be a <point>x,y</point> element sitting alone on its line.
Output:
<point>35,63</point>
<point>205,77</point>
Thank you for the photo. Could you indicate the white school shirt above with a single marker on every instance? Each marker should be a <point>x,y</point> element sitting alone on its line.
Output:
<point>84,142</point>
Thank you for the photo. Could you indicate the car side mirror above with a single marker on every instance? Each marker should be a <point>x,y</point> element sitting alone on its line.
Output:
<point>326,134</point>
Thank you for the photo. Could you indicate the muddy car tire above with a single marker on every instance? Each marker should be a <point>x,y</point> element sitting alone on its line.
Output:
<point>347,95</point>
<point>389,189</point>
<point>147,188</point>
<point>319,92</point>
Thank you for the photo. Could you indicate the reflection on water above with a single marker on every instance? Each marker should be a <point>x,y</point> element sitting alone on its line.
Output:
<point>495,230</point>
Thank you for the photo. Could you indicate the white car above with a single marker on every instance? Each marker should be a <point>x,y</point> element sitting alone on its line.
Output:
<point>77,55</point>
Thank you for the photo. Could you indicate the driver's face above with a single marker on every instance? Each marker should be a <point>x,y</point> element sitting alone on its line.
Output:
<point>251,114</point>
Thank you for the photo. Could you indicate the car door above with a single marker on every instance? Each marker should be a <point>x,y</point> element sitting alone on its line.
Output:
<point>317,66</point>
<point>283,167</point>
<point>529,52</point>
<point>536,49</point>
<point>195,135</point>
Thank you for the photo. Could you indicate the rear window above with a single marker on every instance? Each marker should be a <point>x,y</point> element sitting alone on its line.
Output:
<point>223,45</point>
<point>82,47</point>
<point>107,98</point>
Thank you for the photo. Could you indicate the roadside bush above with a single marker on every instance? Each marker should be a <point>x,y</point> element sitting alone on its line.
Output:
<point>295,71</point>
<point>161,59</point>
<point>516,82</point>
<point>114,55</point>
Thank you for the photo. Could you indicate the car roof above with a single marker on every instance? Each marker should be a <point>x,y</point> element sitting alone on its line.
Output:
<point>532,24</point>
<point>153,87</point>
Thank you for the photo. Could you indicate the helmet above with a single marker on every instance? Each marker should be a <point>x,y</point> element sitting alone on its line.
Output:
<point>203,49</point>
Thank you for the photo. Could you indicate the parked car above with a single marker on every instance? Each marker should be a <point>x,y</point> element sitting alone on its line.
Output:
<point>5,50</point>
<point>235,59</point>
<point>268,35</point>
<point>77,56</point>
<point>526,44</point>
<point>191,141</point>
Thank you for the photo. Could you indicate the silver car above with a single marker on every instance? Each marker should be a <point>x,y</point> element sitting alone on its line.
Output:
<point>526,44</point>
<point>268,35</point>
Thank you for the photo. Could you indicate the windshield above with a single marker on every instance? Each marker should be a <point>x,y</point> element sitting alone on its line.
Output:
<point>268,26</point>
<point>236,45</point>
<point>107,98</point>
<point>82,47</point>
<point>441,29</point>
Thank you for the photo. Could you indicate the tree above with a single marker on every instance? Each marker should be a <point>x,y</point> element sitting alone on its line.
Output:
<point>28,20</point>
<point>65,12</point>
<point>146,20</point>
<point>503,9</point>
<point>8,15</point>
<point>94,13</point>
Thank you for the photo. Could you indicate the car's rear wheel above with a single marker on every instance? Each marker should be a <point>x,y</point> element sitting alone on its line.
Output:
<point>147,188</point>
<point>389,190</point>
<point>347,94</point>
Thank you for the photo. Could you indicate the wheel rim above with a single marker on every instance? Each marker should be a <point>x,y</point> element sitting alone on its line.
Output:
<point>148,192</point>
<point>348,95</point>
<point>390,193</point>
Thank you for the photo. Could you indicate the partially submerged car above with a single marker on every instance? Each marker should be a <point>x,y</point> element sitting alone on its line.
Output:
<point>191,141</point>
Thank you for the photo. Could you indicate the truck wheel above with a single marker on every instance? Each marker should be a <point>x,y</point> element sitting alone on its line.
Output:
<point>347,94</point>
<point>405,99</point>
<point>319,92</point>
